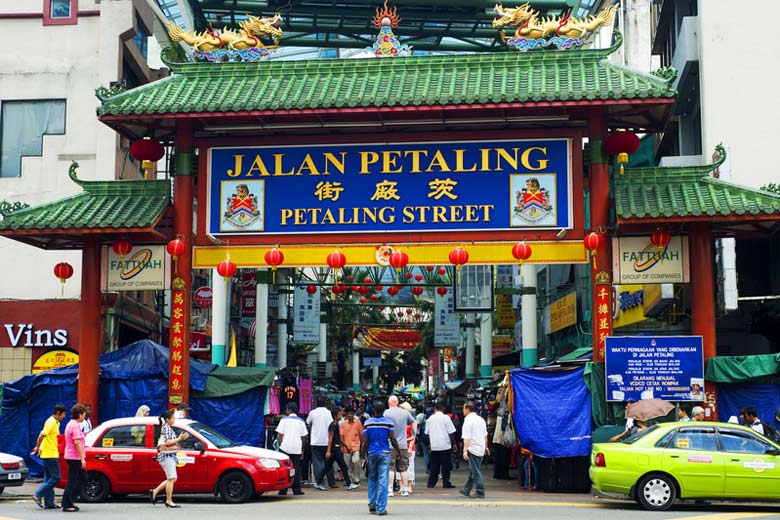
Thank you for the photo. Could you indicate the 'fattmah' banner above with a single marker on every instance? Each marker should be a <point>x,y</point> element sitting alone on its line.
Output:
<point>385,338</point>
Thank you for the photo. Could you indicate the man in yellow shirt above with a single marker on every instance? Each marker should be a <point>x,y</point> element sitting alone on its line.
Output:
<point>46,449</point>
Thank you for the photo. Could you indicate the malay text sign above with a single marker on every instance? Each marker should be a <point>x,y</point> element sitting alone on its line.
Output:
<point>401,187</point>
<point>666,367</point>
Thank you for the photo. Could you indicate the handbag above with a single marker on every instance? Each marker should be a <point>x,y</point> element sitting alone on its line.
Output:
<point>498,435</point>
<point>510,438</point>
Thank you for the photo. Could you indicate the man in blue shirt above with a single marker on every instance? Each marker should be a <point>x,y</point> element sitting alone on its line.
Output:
<point>378,436</point>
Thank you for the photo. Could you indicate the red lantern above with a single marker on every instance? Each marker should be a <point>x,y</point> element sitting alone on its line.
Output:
<point>336,260</point>
<point>356,288</point>
<point>399,259</point>
<point>409,276</point>
<point>63,271</point>
<point>374,297</point>
<point>521,251</point>
<point>593,241</point>
<point>459,257</point>
<point>442,271</point>
<point>417,291</point>
<point>392,291</point>
<point>311,289</point>
<point>274,257</point>
<point>336,289</point>
<point>417,315</point>
<point>418,277</point>
<point>381,307</point>
<point>660,239</point>
<point>441,291</point>
<point>122,247</point>
<point>176,248</point>
<point>367,280</point>
<point>364,290</point>
<point>362,300</point>
<point>226,269</point>
<point>429,268</point>
<point>148,152</point>
<point>409,311</point>
<point>400,314</point>
<point>622,144</point>
<point>378,288</point>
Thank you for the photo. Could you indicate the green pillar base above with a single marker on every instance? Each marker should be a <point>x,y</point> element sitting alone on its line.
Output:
<point>356,388</point>
<point>471,376</point>
<point>260,365</point>
<point>218,354</point>
<point>530,357</point>
<point>485,371</point>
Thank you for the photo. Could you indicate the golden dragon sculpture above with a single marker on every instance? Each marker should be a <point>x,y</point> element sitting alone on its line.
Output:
<point>531,25</point>
<point>251,31</point>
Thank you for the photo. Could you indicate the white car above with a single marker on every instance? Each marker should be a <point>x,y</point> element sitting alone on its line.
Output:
<point>13,471</point>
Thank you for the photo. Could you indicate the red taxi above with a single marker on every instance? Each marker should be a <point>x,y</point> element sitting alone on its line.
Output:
<point>121,459</point>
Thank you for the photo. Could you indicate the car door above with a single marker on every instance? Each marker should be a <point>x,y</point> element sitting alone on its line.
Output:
<point>692,457</point>
<point>750,472</point>
<point>193,464</point>
<point>125,456</point>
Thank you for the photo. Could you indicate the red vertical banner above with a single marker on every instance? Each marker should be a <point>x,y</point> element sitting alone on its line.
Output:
<point>176,374</point>
<point>434,363</point>
<point>603,319</point>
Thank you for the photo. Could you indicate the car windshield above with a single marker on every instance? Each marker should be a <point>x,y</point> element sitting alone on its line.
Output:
<point>638,435</point>
<point>213,436</point>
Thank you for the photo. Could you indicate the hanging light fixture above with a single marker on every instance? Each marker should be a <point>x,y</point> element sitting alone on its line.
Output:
<point>521,251</point>
<point>274,257</point>
<point>176,248</point>
<point>122,247</point>
<point>660,238</point>
<point>63,271</point>
<point>621,144</point>
<point>226,269</point>
<point>148,152</point>
<point>593,241</point>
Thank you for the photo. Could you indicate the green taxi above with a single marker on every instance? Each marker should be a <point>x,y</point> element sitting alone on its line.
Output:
<point>687,460</point>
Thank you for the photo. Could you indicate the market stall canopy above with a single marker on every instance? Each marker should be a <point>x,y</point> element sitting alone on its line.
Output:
<point>738,369</point>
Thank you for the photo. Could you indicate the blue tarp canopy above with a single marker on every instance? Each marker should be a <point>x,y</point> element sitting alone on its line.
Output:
<point>551,411</point>
<point>129,377</point>
<point>765,398</point>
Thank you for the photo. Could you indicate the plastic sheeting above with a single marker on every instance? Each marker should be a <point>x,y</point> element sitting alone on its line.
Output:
<point>552,411</point>
<point>131,376</point>
<point>765,398</point>
<point>736,369</point>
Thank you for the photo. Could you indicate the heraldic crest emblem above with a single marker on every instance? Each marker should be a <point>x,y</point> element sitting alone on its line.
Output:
<point>242,209</point>
<point>533,202</point>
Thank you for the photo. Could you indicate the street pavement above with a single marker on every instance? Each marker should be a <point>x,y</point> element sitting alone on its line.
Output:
<point>504,498</point>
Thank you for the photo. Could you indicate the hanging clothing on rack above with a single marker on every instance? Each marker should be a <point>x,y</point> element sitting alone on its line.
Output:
<point>305,390</point>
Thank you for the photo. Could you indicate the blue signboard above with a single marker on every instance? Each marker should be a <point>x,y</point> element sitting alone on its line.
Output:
<point>400,187</point>
<point>666,367</point>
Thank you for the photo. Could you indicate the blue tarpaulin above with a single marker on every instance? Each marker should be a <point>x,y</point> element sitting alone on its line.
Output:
<point>129,377</point>
<point>551,411</point>
<point>765,398</point>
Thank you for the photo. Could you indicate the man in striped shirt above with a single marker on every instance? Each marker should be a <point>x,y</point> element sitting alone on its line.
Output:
<point>378,436</point>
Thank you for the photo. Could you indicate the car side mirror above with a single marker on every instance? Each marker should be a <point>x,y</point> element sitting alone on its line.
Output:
<point>771,451</point>
<point>198,446</point>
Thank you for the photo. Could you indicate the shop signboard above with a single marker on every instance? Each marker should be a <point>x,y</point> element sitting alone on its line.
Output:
<point>388,338</point>
<point>666,367</point>
<point>390,187</point>
<point>628,303</point>
<point>563,312</point>
<point>447,321</point>
<point>204,296</point>
<point>54,359</point>
<point>145,268</point>
<point>505,314</point>
<point>434,363</point>
<point>306,316</point>
<point>502,344</point>
<point>637,260</point>
<point>248,293</point>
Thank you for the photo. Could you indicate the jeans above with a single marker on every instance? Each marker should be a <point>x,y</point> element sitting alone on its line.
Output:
<point>318,462</point>
<point>426,451</point>
<point>475,476</point>
<point>335,457</point>
<point>51,475</point>
<point>76,478</point>
<point>378,470</point>
<point>440,460</point>
<point>353,463</point>
<point>530,476</point>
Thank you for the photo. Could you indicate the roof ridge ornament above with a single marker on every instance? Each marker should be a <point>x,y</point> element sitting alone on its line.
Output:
<point>536,31</point>
<point>114,88</point>
<point>668,74</point>
<point>387,45</point>
<point>7,208</point>
<point>254,39</point>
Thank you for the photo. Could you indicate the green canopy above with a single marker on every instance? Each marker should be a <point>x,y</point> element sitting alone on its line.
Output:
<point>225,381</point>
<point>737,369</point>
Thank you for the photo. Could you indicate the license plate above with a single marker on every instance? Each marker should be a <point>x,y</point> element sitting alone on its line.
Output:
<point>14,476</point>
<point>292,472</point>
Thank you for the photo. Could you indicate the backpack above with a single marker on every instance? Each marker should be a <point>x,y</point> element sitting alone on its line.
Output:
<point>770,432</point>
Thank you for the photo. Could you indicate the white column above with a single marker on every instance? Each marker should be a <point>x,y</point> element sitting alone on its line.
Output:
<point>375,378</point>
<point>528,313</point>
<point>356,371</point>
<point>470,319</point>
<point>261,319</point>
<point>322,353</point>
<point>486,345</point>
<point>218,318</point>
<point>281,312</point>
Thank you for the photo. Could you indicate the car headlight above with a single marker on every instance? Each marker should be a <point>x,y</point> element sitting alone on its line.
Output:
<point>269,463</point>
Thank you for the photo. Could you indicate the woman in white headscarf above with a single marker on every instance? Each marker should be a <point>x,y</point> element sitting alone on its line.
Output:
<point>138,431</point>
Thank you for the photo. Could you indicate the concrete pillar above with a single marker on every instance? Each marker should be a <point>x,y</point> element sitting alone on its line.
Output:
<point>375,379</point>
<point>529,315</point>
<point>470,319</point>
<point>322,352</point>
<point>261,320</point>
<point>218,318</point>
<point>89,326</point>
<point>486,345</point>
<point>281,354</point>
<point>356,371</point>
<point>638,42</point>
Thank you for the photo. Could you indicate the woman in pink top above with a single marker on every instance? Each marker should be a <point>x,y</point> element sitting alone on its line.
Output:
<point>75,456</point>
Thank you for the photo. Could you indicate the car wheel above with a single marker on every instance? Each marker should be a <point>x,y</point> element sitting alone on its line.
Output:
<point>235,487</point>
<point>656,492</point>
<point>96,488</point>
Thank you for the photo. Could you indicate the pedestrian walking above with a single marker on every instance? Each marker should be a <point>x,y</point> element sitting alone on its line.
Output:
<point>319,421</point>
<point>440,432</point>
<point>399,460</point>
<point>351,431</point>
<point>474,449</point>
<point>182,411</point>
<point>86,424</point>
<point>167,447</point>
<point>75,457</point>
<point>46,449</point>
<point>291,433</point>
<point>378,438</point>
<point>421,437</point>
<point>333,454</point>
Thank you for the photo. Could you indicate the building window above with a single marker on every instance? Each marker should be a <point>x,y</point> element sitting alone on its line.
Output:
<point>60,12</point>
<point>22,127</point>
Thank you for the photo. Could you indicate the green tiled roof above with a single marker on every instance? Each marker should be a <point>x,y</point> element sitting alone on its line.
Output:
<point>690,191</point>
<point>102,205</point>
<point>484,78</point>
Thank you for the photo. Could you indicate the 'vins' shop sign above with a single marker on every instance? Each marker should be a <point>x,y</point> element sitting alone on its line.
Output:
<point>476,185</point>
<point>26,335</point>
